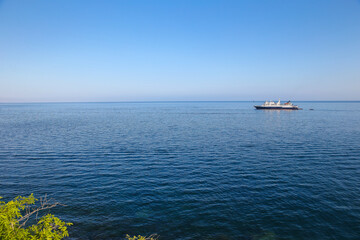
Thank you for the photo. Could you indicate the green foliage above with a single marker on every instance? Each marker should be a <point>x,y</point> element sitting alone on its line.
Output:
<point>151,237</point>
<point>15,214</point>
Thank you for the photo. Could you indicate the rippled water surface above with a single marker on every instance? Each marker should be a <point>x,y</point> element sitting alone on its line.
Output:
<point>188,170</point>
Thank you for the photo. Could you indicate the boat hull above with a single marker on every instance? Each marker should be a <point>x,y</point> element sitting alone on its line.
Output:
<point>276,108</point>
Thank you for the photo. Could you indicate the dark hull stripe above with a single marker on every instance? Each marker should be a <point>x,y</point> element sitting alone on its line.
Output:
<point>276,108</point>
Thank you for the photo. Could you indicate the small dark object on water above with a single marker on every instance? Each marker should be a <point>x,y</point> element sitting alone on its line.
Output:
<point>311,109</point>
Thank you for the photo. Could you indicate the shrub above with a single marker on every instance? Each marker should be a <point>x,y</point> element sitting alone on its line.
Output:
<point>151,237</point>
<point>15,214</point>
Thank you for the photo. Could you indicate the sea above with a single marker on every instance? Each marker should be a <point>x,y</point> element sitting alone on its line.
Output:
<point>188,170</point>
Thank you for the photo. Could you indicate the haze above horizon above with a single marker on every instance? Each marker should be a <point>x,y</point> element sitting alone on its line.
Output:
<point>109,51</point>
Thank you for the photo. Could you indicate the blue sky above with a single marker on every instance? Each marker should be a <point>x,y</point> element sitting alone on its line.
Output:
<point>179,50</point>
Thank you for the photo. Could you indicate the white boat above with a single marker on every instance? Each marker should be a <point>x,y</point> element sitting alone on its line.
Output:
<point>277,106</point>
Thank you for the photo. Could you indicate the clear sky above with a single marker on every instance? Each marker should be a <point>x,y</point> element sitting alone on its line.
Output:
<point>130,50</point>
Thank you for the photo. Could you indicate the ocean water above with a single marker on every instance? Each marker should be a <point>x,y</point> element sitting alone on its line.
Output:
<point>188,170</point>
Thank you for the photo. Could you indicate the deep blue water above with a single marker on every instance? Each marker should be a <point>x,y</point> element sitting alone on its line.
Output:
<point>188,170</point>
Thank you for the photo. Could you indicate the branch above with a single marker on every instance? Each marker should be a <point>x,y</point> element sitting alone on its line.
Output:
<point>44,204</point>
<point>152,237</point>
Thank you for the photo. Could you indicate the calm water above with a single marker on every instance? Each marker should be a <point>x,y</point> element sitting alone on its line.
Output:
<point>188,170</point>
